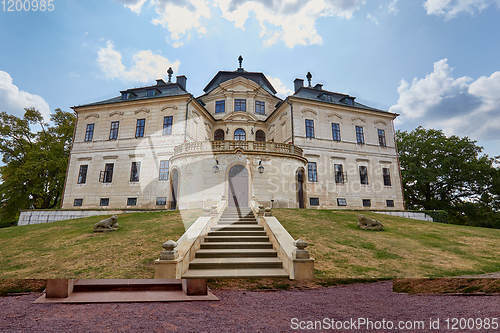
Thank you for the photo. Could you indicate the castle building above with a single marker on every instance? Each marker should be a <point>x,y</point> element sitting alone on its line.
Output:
<point>159,147</point>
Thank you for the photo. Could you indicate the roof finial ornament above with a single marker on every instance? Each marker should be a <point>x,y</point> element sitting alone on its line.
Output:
<point>240,60</point>
<point>309,77</point>
<point>170,72</point>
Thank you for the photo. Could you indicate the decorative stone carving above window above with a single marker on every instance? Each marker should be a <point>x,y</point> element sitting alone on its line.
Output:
<point>116,113</point>
<point>174,107</point>
<point>85,158</point>
<point>283,115</point>
<point>362,160</point>
<point>142,110</point>
<point>380,122</point>
<point>135,155</point>
<point>95,115</point>
<point>110,157</point>
<point>357,120</point>
<point>334,115</point>
<point>309,111</point>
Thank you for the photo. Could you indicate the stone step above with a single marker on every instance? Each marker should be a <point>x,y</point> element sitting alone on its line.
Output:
<point>237,245</point>
<point>237,233</point>
<point>100,285</point>
<point>235,253</point>
<point>209,239</point>
<point>236,217</point>
<point>238,222</point>
<point>228,263</point>
<point>238,227</point>
<point>242,273</point>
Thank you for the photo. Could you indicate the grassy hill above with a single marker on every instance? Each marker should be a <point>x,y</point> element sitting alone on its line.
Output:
<point>407,248</point>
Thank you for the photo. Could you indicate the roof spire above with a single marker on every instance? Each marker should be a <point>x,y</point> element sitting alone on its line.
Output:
<point>170,72</point>
<point>240,60</point>
<point>309,77</point>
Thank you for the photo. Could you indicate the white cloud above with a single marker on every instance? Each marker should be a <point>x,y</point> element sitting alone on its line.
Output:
<point>14,101</point>
<point>134,5</point>
<point>451,8</point>
<point>392,7</point>
<point>292,21</point>
<point>281,89</point>
<point>146,66</point>
<point>372,18</point>
<point>461,106</point>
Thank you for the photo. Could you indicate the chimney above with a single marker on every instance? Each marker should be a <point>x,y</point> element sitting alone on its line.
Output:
<point>181,81</point>
<point>318,86</point>
<point>298,83</point>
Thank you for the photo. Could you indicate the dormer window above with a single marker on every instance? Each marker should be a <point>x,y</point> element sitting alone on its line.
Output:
<point>124,95</point>
<point>128,95</point>
<point>150,93</point>
<point>348,100</point>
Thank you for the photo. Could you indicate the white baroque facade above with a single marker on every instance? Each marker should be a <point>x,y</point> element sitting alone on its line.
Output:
<point>160,147</point>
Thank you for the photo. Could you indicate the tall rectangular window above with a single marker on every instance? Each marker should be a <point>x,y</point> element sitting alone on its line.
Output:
<point>106,176</point>
<point>360,136</point>
<point>220,106</point>
<point>113,131</point>
<point>336,132</point>
<point>167,125</point>
<point>82,174</point>
<point>387,176</point>
<point>312,172</point>
<point>135,170</point>
<point>260,107</point>
<point>309,128</point>
<point>163,170</point>
<point>240,105</point>
<point>339,174</point>
<point>381,137</point>
<point>363,175</point>
<point>139,128</point>
<point>89,132</point>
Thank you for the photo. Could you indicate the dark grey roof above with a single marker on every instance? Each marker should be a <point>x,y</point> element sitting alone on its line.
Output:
<point>320,95</point>
<point>223,76</point>
<point>161,89</point>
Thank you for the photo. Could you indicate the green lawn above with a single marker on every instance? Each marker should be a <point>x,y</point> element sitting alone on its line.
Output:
<point>407,248</point>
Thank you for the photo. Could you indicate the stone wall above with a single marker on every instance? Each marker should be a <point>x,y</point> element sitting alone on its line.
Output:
<point>409,215</point>
<point>46,216</point>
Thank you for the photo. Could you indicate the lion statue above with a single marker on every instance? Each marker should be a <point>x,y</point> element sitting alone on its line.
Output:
<point>109,224</point>
<point>367,223</point>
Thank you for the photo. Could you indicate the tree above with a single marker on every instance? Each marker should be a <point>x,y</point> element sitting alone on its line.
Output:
<point>35,156</point>
<point>448,173</point>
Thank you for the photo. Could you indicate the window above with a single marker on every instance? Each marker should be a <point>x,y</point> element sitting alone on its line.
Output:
<point>131,201</point>
<point>135,171</point>
<point>219,135</point>
<point>389,203</point>
<point>167,125</point>
<point>78,202</point>
<point>89,132</point>
<point>240,105</point>
<point>139,128</point>
<point>360,137</point>
<point>220,106</point>
<point>367,203</point>
<point>106,176</point>
<point>113,131</point>
<point>335,132</point>
<point>104,202</point>
<point>314,201</point>
<point>387,176</point>
<point>124,95</point>
<point>161,201</point>
<point>163,170</point>
<point>260,107</point>
<point>260,136</point>
<point>312,172</point>
<point>339,174</point>
<point>381,137</point>
<point>240,135</point>
<point>341,202</point>
<point>363,175</point>
<point>309,128</point>
<point>151,93</point>
<point>82,174</point>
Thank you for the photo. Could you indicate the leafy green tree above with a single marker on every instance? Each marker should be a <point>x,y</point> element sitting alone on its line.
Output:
<point>448,173</point>
<point>35,156</point>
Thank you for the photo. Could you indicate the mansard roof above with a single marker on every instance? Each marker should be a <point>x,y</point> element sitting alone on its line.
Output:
<point>223,76</point>
<point>161,89</point>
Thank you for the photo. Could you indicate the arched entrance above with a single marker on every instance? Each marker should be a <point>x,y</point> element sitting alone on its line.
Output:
<point>219,135</point>
<point>300,188</point>
<point>174,189</point>
<point>260,136</point>
<point>238,186</point>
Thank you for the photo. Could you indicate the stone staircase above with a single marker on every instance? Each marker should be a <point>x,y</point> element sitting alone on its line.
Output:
<point>236,247</point>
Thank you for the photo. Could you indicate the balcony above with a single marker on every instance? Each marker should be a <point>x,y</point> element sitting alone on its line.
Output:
<point>229,146</point>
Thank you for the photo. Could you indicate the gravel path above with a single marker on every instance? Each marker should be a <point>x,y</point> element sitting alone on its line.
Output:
<point>240,311</point>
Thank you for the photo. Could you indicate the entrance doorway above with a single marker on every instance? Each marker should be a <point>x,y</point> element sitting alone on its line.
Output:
<point>238,186</point>
<point>174,189</point>
<point>300,188</point>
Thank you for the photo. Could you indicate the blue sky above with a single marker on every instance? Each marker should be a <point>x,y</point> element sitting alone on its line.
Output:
<point>436,62</point>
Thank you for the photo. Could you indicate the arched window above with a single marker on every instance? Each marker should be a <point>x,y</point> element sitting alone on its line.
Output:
<point>260,136</point>
<point>219,135</point>
<point>240,135</point>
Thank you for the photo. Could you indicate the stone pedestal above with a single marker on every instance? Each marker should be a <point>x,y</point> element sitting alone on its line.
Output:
<point>195,287</point>
<point>165,269</point>
<point>59,288</point>
<point>303,269</point>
